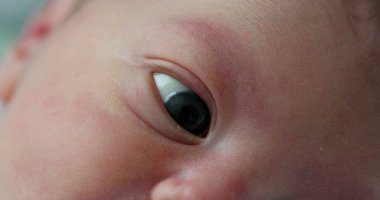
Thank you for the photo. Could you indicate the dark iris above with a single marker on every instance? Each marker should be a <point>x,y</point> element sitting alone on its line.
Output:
<point>190,112</point>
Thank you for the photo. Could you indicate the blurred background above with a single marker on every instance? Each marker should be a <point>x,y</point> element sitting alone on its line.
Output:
<point>14,14</point>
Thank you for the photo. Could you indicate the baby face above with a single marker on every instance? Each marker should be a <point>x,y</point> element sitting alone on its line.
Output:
<point>281,105</point>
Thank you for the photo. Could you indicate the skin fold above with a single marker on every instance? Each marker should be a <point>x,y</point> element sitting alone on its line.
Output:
<point>292,87</point>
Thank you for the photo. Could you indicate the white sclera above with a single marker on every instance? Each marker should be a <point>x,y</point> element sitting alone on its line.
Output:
<point>168,86</point>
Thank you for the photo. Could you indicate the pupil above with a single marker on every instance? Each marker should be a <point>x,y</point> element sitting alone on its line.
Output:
<point>189,111</point>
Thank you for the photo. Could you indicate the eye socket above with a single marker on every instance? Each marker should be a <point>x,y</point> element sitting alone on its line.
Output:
<point>186,108</point>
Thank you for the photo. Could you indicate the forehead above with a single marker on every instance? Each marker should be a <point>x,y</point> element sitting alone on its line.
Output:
<point>245,49</point>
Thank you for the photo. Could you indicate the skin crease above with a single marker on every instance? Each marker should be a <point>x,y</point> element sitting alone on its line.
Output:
<point>293,86</point>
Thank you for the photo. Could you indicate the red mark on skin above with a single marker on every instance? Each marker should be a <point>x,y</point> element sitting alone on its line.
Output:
<point>37,31</point>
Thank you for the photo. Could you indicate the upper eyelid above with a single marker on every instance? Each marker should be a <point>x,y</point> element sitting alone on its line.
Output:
<point>181,74</point>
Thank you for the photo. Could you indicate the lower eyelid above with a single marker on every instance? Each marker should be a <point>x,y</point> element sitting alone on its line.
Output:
<point>151,127</point>
<point>136,114</point>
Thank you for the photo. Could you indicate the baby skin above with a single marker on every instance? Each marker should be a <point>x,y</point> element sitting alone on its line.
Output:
<point>194,100</point>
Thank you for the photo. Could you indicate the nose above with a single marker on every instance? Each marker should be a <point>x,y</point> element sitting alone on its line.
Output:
<point>197,185</point>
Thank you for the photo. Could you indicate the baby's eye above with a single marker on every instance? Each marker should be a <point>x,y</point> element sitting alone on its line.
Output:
<point>184,106</point>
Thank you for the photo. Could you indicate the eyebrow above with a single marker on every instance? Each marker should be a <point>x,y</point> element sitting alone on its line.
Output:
<point>214,35</point>
<point>226,48</point>
<point>218,39</point>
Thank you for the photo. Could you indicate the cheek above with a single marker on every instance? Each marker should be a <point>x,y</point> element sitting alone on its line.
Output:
<point>302,171</point>
<point>71,144</point>
<point>277,164</point>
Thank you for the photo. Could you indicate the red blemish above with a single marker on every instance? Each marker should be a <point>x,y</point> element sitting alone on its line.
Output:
<point>35,33</point>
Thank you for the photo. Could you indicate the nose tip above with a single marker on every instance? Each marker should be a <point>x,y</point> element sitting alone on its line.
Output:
<point>195,186</point>
<point>173,189</point>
